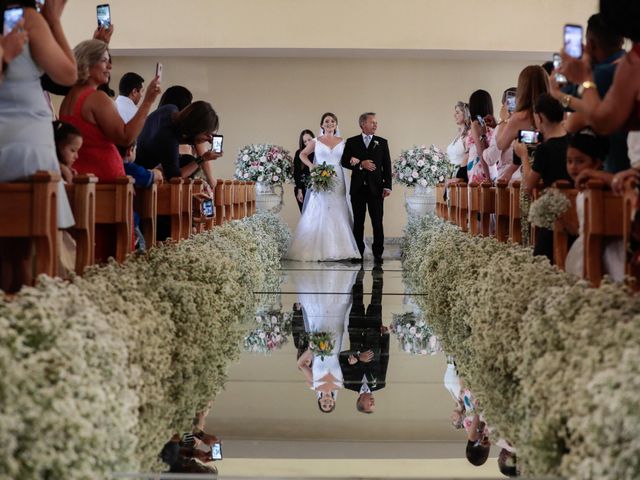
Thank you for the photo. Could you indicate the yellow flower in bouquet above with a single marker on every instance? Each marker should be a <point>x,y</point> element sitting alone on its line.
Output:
<point>321,344</point>
<point>322,178</point>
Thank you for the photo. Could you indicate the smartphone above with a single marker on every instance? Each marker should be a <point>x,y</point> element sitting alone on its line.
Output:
<point>39,5</point>
<point>529,137</point>
<point>206,207</point>
<point>573,40</point>
<point>511,102</point>
<point>216,143</point>
<point>216,451</point>
<point>557,61</point>
<point>104,16</point>
<point>159,71</point>
<point>480,120</point>
<point>12,15</point>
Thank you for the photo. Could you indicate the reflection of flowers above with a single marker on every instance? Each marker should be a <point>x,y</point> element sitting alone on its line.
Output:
<point>321,344</point>
<point>414,335</point>
<point>271,334</point>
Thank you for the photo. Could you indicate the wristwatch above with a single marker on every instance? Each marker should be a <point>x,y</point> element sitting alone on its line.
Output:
<point>584,86</point>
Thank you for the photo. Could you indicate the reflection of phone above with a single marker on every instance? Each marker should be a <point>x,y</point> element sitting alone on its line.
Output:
<point>12,16</point>
<point>529,137</point>
<point>159,71</point>
<point>573,40</point>
<point>216,451</point>
<point>557,61</point>
<point>206,207</point>
<point>480,120</point>
<point>216,143</point>
<point>104,16</point>
<point>511,102</point>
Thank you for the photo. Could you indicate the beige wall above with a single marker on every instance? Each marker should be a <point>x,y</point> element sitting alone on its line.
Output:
<point>272,99</point>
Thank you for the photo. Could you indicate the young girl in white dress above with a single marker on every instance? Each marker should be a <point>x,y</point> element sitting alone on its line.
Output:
<point>324,232</point>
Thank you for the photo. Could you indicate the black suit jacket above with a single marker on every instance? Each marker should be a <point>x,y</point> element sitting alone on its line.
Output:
<point>378,152</point>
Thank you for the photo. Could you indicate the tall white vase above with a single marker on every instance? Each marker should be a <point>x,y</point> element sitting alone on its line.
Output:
<point>420,201</point>
<point>267,199</point>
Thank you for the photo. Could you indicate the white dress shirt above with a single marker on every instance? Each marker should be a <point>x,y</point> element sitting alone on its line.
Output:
<point>126,108</point>
<point>365,385</point>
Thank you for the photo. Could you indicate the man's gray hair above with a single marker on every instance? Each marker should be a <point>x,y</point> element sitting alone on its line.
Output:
<point>363,118</point>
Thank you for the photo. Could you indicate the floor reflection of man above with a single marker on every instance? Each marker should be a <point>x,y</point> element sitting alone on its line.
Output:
<point>364,365</point>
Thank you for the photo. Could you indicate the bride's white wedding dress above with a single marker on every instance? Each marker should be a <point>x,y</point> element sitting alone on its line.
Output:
<point>324,232</point>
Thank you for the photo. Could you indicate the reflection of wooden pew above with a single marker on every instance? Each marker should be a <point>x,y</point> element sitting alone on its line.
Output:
<point>170,205</point>
<point>82,198</point>
<point>219,202</point>
<point>515,229</point>
<point>502,211</point>
<point>114,206</point>
<point>228,200</point>
<point>560,234</point>
<point>487,207</point>
<point>146,206</point>
<point>28,210</point>
<point>187,208</point>
<point>463,206</point>
<point>474,207</point>
<point>602,220</point>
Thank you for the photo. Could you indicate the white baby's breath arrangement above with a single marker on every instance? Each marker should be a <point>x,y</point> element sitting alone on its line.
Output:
<point>552,361</point>
<point>548,207</point>
<point>421,165</point>
<point>267,163</point>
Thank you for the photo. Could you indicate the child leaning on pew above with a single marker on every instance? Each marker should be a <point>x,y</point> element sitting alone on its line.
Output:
<point>142,178</point>
<point>584,162</point>
<point>68,142</point>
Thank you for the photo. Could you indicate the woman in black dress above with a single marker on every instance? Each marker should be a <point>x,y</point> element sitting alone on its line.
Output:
<point>300,170</point>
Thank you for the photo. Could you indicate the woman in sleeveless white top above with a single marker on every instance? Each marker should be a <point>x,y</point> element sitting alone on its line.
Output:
<point>325,229</point>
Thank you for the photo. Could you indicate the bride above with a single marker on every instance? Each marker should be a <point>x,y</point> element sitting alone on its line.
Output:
<point>324,232</point>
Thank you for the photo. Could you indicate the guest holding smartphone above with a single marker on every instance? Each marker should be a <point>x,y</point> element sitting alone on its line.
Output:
<point>300,170</point>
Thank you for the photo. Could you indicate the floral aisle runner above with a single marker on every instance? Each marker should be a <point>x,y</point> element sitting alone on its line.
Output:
<point>96,374</point>
<point>554,363</point>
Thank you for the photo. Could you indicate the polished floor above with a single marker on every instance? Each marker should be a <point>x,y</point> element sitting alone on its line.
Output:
<point>269,416</point>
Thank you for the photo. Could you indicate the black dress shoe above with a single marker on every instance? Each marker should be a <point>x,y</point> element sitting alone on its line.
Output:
<point>356,260</point>
<point>378,260</point>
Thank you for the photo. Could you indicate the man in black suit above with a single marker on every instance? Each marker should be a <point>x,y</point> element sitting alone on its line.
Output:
<point>368,158</point>
<point>364,365</point>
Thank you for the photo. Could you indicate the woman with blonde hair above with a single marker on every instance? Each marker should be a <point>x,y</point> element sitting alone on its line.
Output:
<point>457,151</point>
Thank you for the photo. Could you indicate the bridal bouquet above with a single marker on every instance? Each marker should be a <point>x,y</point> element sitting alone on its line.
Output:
<point>322,178</point>
<point>321,344</point>
<point>264,163</point>
<point>414,335</point>
<point>424,166</point>
<point>272,332</point>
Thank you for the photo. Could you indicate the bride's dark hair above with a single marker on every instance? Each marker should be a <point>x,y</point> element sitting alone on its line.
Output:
<point>328,114</point>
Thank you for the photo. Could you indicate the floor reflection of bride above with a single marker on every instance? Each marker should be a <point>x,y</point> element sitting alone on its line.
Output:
<point>324,299</point>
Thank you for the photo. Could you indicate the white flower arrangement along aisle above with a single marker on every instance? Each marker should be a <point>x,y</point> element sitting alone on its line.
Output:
<point>96,374</point>
<point>554,362</point>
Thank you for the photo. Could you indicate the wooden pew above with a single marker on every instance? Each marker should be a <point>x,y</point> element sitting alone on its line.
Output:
<point>474,207</point>
<point>463,207</point>
<point>515,228</point>
<point>228,200</point>
<point>629,202</point>
<point>219,202</point>
<point>502,211</point>
<point>28,209</point>
<point>251,195</point>
<point>197,188</point>
<point>439,200</point>
<point>239,200</point>
<point>170,204</point>
<point>187,208</point>
<point>603,219</point>
<point>145,204</point>
<point>82,198</point>
<point>560,235</point>
<point>453,196</point>
<point>487,207</point>
<point>114,206</point>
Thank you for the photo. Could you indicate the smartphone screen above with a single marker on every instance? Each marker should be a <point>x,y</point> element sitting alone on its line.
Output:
<point>557,61</point>
<point>207,208</point>
<point>12,16</point>
<point>511,102</point>
<point>480,120</point>
<point>530,137</point>
<point>216,143</point>
<point>573,40</point>
<point>39,5</point>
<point>159,71</point>
<point>104,16</point>
<point>216,451</point>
